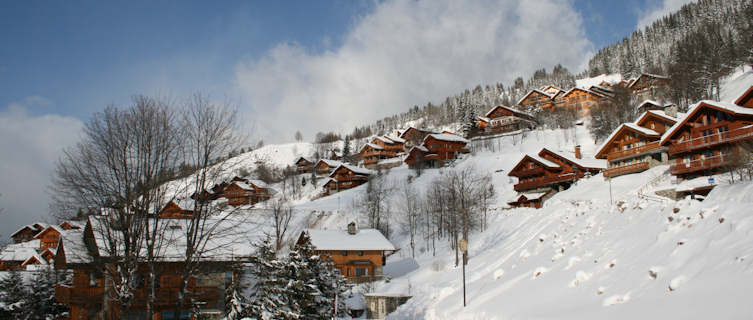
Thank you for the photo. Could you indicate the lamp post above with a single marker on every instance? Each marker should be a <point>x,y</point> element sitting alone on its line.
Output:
<point>464,247</point>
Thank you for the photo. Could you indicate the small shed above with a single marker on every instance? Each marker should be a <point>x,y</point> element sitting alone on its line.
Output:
<point>379,305</point>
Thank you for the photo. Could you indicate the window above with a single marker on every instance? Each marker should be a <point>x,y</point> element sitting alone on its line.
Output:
<point>345,253</point>
<point>361,272</point>
<point>92,280</point>
<point>360,253</point>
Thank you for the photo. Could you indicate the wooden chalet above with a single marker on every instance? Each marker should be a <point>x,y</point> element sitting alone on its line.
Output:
<point>27,232</point>
<point>13,256</point>
<point>345,177</point>
<point>381,148</point>
<point>746,98</point>
<point>358,254</point>
<point>579,99</point>
<point>537,99</point>
<point>647,105</point>
<point>707,140</point>
<point>303,165</point>
<point>241,191</point>
<point>84,253</point>
<point>531,199</point>
<point>335,155</point>
<point>178,209</point>
<point>49,237</point>
<point>634,147</point>
<point>551,90</point>
<point>436,151</point>
<point>325,166</point>
<point>413,137</point>
<point>552,171</point>
<point>505,119</point>
<point>647,85</point>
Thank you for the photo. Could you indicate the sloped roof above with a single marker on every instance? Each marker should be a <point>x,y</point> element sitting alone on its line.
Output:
<point>514,111</point>
<point>584,162</point>
<point>302,158</point>
<point>356,170</point>
<point>630,125</point>
<point>53,227</point>
<point>395,139</point>
<point>373,146</point>
<point>643,75</point>
<point>658,113</point>
<point>727,106</point>
<point>539,92</point>
<point>19,251</point>
<point>330,163</point>
<point>364,239</point>
<point>584,90</point>
<point>447,137</point>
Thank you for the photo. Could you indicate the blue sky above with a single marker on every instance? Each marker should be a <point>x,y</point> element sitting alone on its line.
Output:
<point>288,65</point>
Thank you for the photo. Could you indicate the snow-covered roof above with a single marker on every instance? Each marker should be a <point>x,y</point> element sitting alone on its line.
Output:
<point>640,129</point>
<point>646,75</point>
<point>229,239</point>
<point>304,158</point>
<point>514,111</point>
<point>537,91</point>
<point>531,195</point>
<point>364,239</point>
<point>331,163</point>
<point>19,251</point>
<point>356,170</point>
<point>584,90</point>
<point>586,162</point>
<point>74,247</point>
<point>653,102</point>
<point>258,183</point>
<point>728,106</point>
<point>373,146</point>
<point>395,139</point>
<point>53,227</point>
<point>544,161</point>
<point>594,81</point>
<point>383,139</point>
<point>485,119</point>
<point>447,137</point>
<point>658,113</point>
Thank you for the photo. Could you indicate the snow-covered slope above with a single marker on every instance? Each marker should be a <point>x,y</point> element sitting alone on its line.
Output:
<point>735,84</point>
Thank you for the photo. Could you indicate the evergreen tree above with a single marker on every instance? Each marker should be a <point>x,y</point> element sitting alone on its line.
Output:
<point>14,298</point>
<point>235,302</point>
<point>346,149</point>
<point>321,283</point>
<point>42,302</point>
<point>272,294</point>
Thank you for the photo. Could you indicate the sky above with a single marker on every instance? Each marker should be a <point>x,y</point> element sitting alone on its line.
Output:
<point>288,65</point>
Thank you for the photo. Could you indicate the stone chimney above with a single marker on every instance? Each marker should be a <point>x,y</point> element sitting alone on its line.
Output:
<point>577,152</point>
<point>352,228</point>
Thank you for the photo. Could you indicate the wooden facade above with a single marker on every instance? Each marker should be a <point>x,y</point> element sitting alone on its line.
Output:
<point>345,177</point>
<point>245,192</point>
<point>413,137</point>
<point>549,171</point>
<point>325,166</point>
<point>89,295</point>
<point>358,254</point>
<point>436,151</point>
<point>49,237</point>
<point>381,148</point>
<point>646,86</point>
<point>634,147</point>
<point>25,234</point>
<point>531,200</point>
<point>537,99</point>
<point>707,140</point>
<point>173,210</point>
<point>505,119</point>
<point>303,165</point>
<point>579,99</point>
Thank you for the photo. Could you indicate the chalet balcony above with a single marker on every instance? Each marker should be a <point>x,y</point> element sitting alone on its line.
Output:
<point>631,168</point>
<point>712,140</point>
<point>363,279</point>
<point>633,151</point>
<point>548,181</point>
<point>531,172</point>
<point>79,296</point>
<point>169,296</point>
<point>702,164</point>
<point>378,153</point>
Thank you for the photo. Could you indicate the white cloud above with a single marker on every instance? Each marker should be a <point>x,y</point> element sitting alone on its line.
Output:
<point>405,53</point>
<point>655,13</point>
<point>29,147</point>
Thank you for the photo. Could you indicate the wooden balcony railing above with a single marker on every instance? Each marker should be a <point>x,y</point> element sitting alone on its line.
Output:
<point>633,151</point>
<point>543,182</point>
<point>631,168</point>
<point>711,140</point>
<point>70,295</point>
<point>377,153</point>
<point>362,279</point>
<point>531,172</point>
<point>702,164</point>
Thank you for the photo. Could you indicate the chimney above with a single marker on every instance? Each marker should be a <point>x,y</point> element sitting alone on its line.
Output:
<point>352,228</point>
<point>577,152</point>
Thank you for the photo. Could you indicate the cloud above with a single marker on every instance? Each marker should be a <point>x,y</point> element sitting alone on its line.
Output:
<point>405,53</point>
<point>29,147</point>
<point>655,13</point>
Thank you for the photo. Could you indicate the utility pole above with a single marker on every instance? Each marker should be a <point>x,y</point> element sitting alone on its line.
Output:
<point>464,248</point>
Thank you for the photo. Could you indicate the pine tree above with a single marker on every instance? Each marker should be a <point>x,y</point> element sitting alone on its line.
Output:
<point>14,298</point>
<point>42,302</point>
<point>236,302</point>
<point>320,282</point>
<point>346,149</point>
<point>272,295</point>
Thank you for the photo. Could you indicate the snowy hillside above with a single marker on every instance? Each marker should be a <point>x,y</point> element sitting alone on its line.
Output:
<point>579,257</point>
